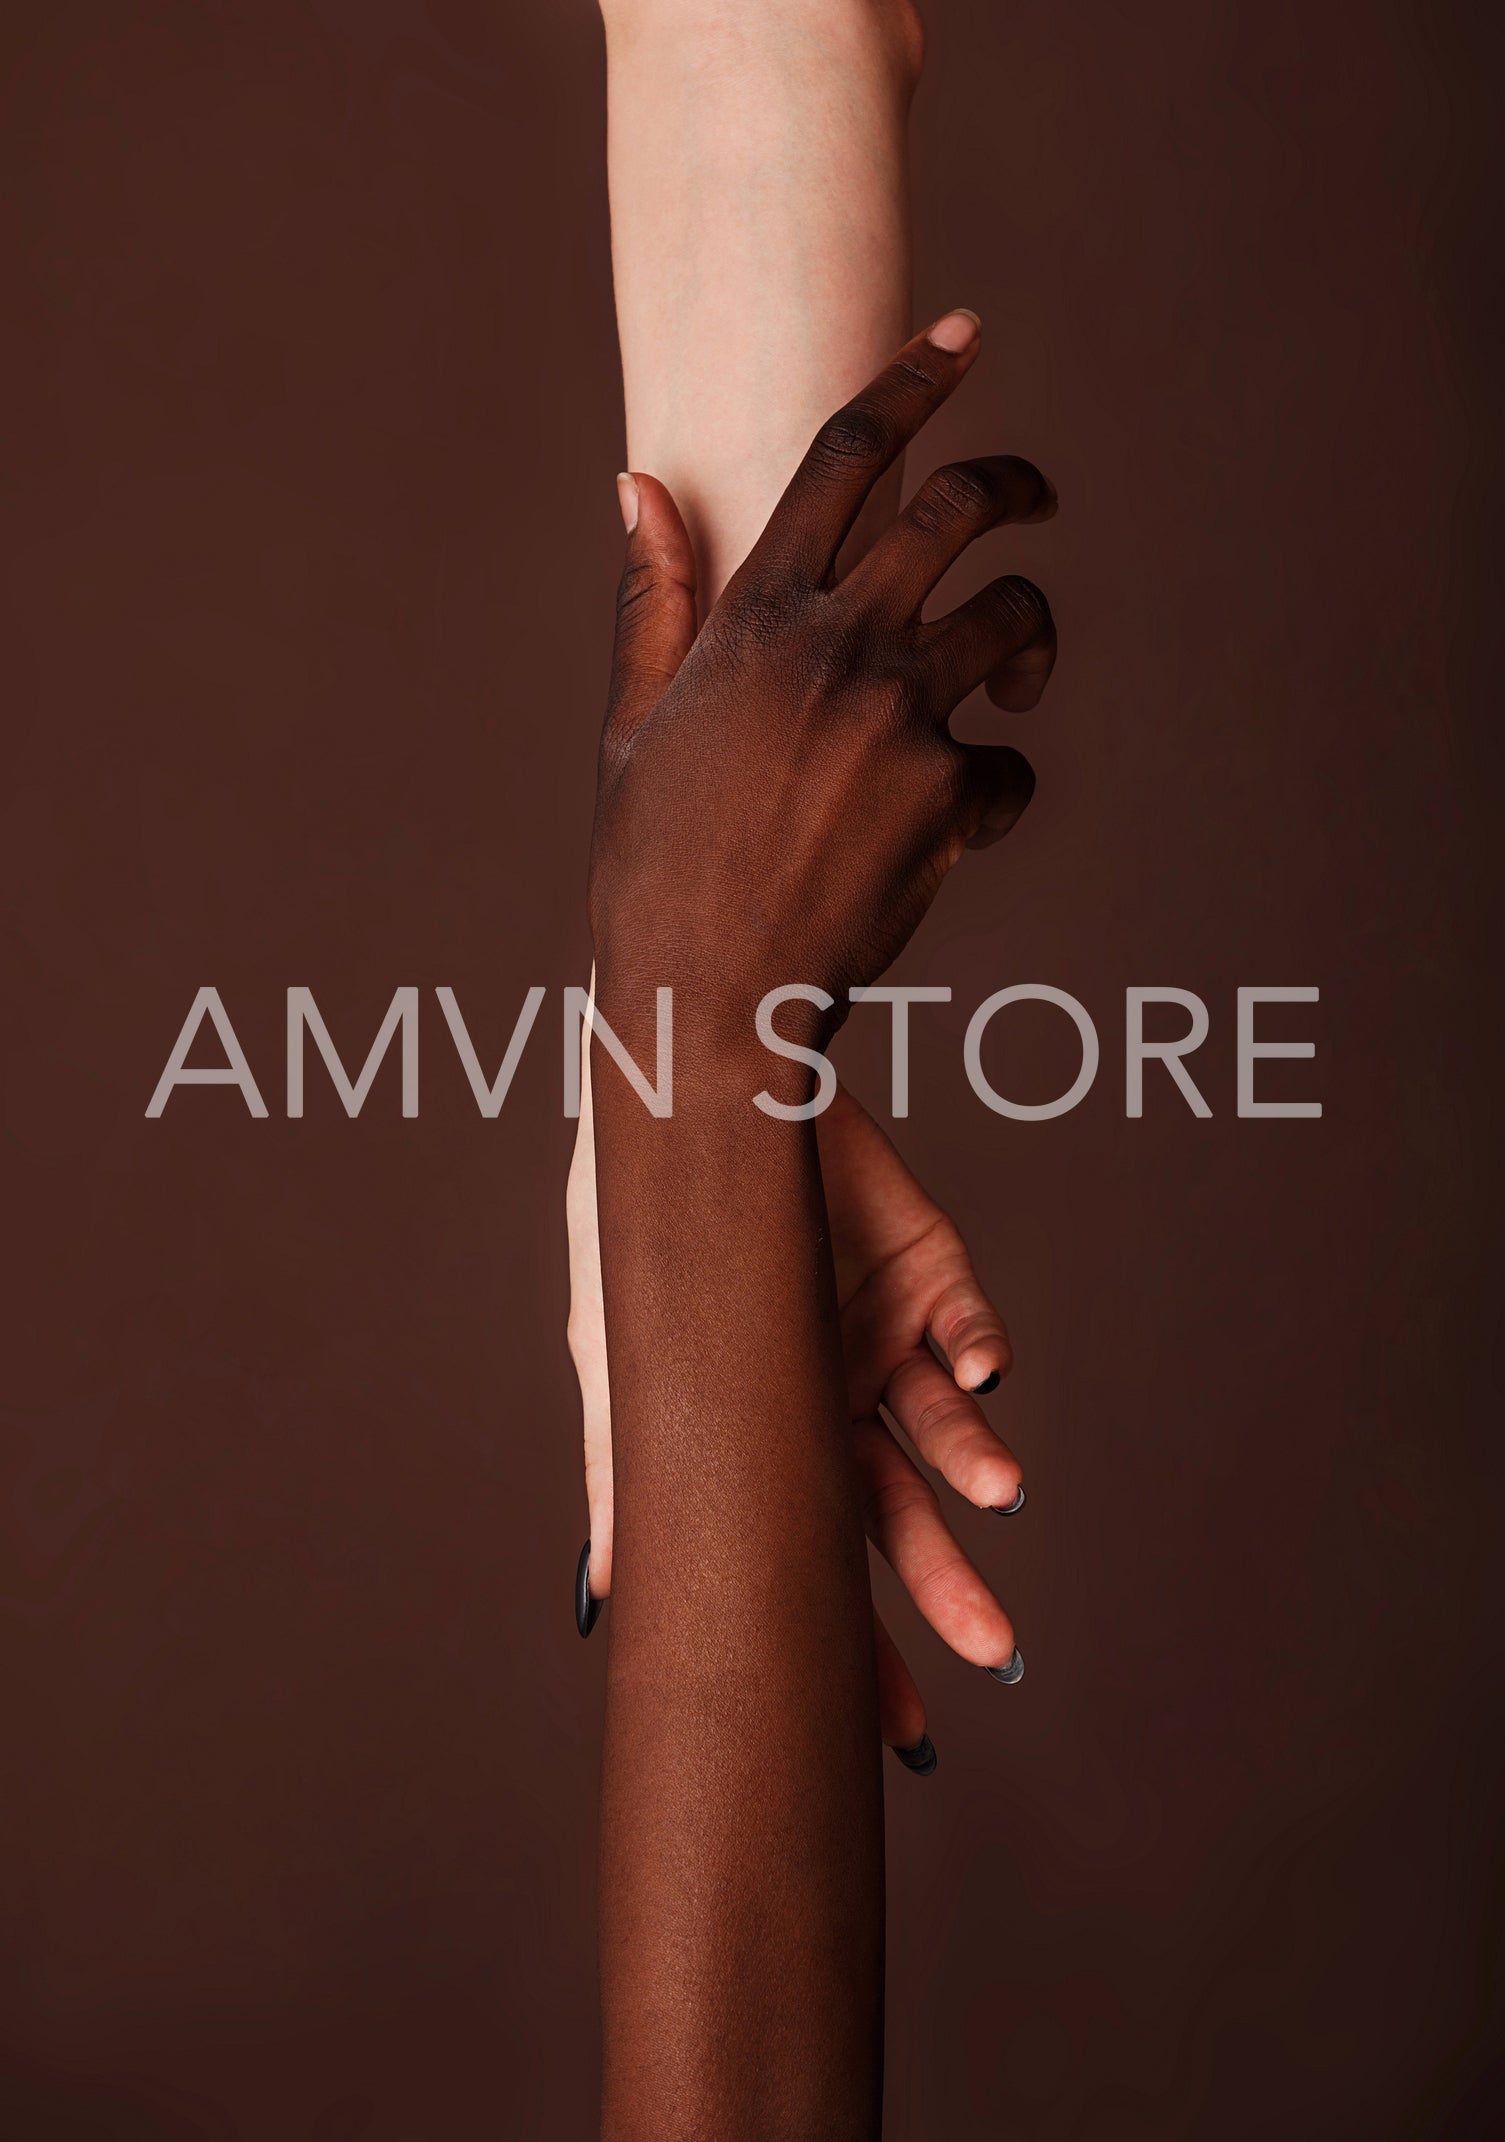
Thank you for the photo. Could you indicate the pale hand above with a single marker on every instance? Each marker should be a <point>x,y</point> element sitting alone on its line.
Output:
<point>904,1279</point>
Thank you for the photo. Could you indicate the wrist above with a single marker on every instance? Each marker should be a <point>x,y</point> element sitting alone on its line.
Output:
<point>708,1027</point>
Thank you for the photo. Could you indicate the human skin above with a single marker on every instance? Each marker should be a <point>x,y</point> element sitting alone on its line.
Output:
<point>761,260</point>
<point>799,745</point>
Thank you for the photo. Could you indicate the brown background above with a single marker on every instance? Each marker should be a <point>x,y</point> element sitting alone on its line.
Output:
<point>312,414</point>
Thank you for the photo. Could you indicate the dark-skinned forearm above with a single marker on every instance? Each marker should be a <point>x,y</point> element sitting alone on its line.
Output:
<point>778,797</point>
<point>741,1844</point>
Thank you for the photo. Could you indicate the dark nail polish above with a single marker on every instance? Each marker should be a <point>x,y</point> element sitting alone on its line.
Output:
<point>1009,1509</point>
<point>1014,1671</point>
<point>989,1383</point>
<point>920,1758</point>
<point>587,1610</point>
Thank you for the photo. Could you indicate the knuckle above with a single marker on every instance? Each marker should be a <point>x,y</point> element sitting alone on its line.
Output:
<point>905,369</point>
<point>616,741</point>
<point>855,434</point>
<point>946,1588</point>
<point>947,1580</point>
<point>841,657</point>
<point>753,616</point>
<point>947,779</point>
<point>899,696</point>
<point>967,486</point>
<point>980,1327</point>
<point>886,702</point>
<point>959,1302</point>
<point>893,1391</point>
<point>633,589</point>
<point>1020,607</point>
<point>960,492</point>
<point>902,1496</point>
<point>941,1416</point>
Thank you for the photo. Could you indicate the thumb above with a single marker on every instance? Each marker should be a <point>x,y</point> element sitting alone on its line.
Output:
<point>655,603</point>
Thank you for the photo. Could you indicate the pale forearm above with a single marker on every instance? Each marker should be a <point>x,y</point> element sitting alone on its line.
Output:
<point>760,237</point>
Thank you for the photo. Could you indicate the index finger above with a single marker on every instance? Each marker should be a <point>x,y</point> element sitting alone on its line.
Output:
<point>853,448</point>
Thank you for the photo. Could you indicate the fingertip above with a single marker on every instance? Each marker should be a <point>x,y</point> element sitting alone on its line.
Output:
<point>1049,505</point>
<point>920,1758</point>
<point>1021,780</point>
<point>958,332</point>
<point>601,1540</point>
<point>1018,685</point>
<point>628,499</point>
<point>587,1605</point>
<point>989,1638</point>
<point>971,1337</point>
<point>1013,786</point>
<point>980,1368</point>
<point>1019,691</point>
<point>658,527</point>
<point>1017,698</point>
<point>996,1486</point>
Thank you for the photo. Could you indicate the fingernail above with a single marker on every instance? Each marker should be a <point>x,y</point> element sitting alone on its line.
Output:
<point>989,1383</point>
<point>1009,1509</point>
<point>920,1758</point>
<point>1014,1671</point>
<point>627,499</point>
<point>587,1610</point>
<point>956,332</point>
